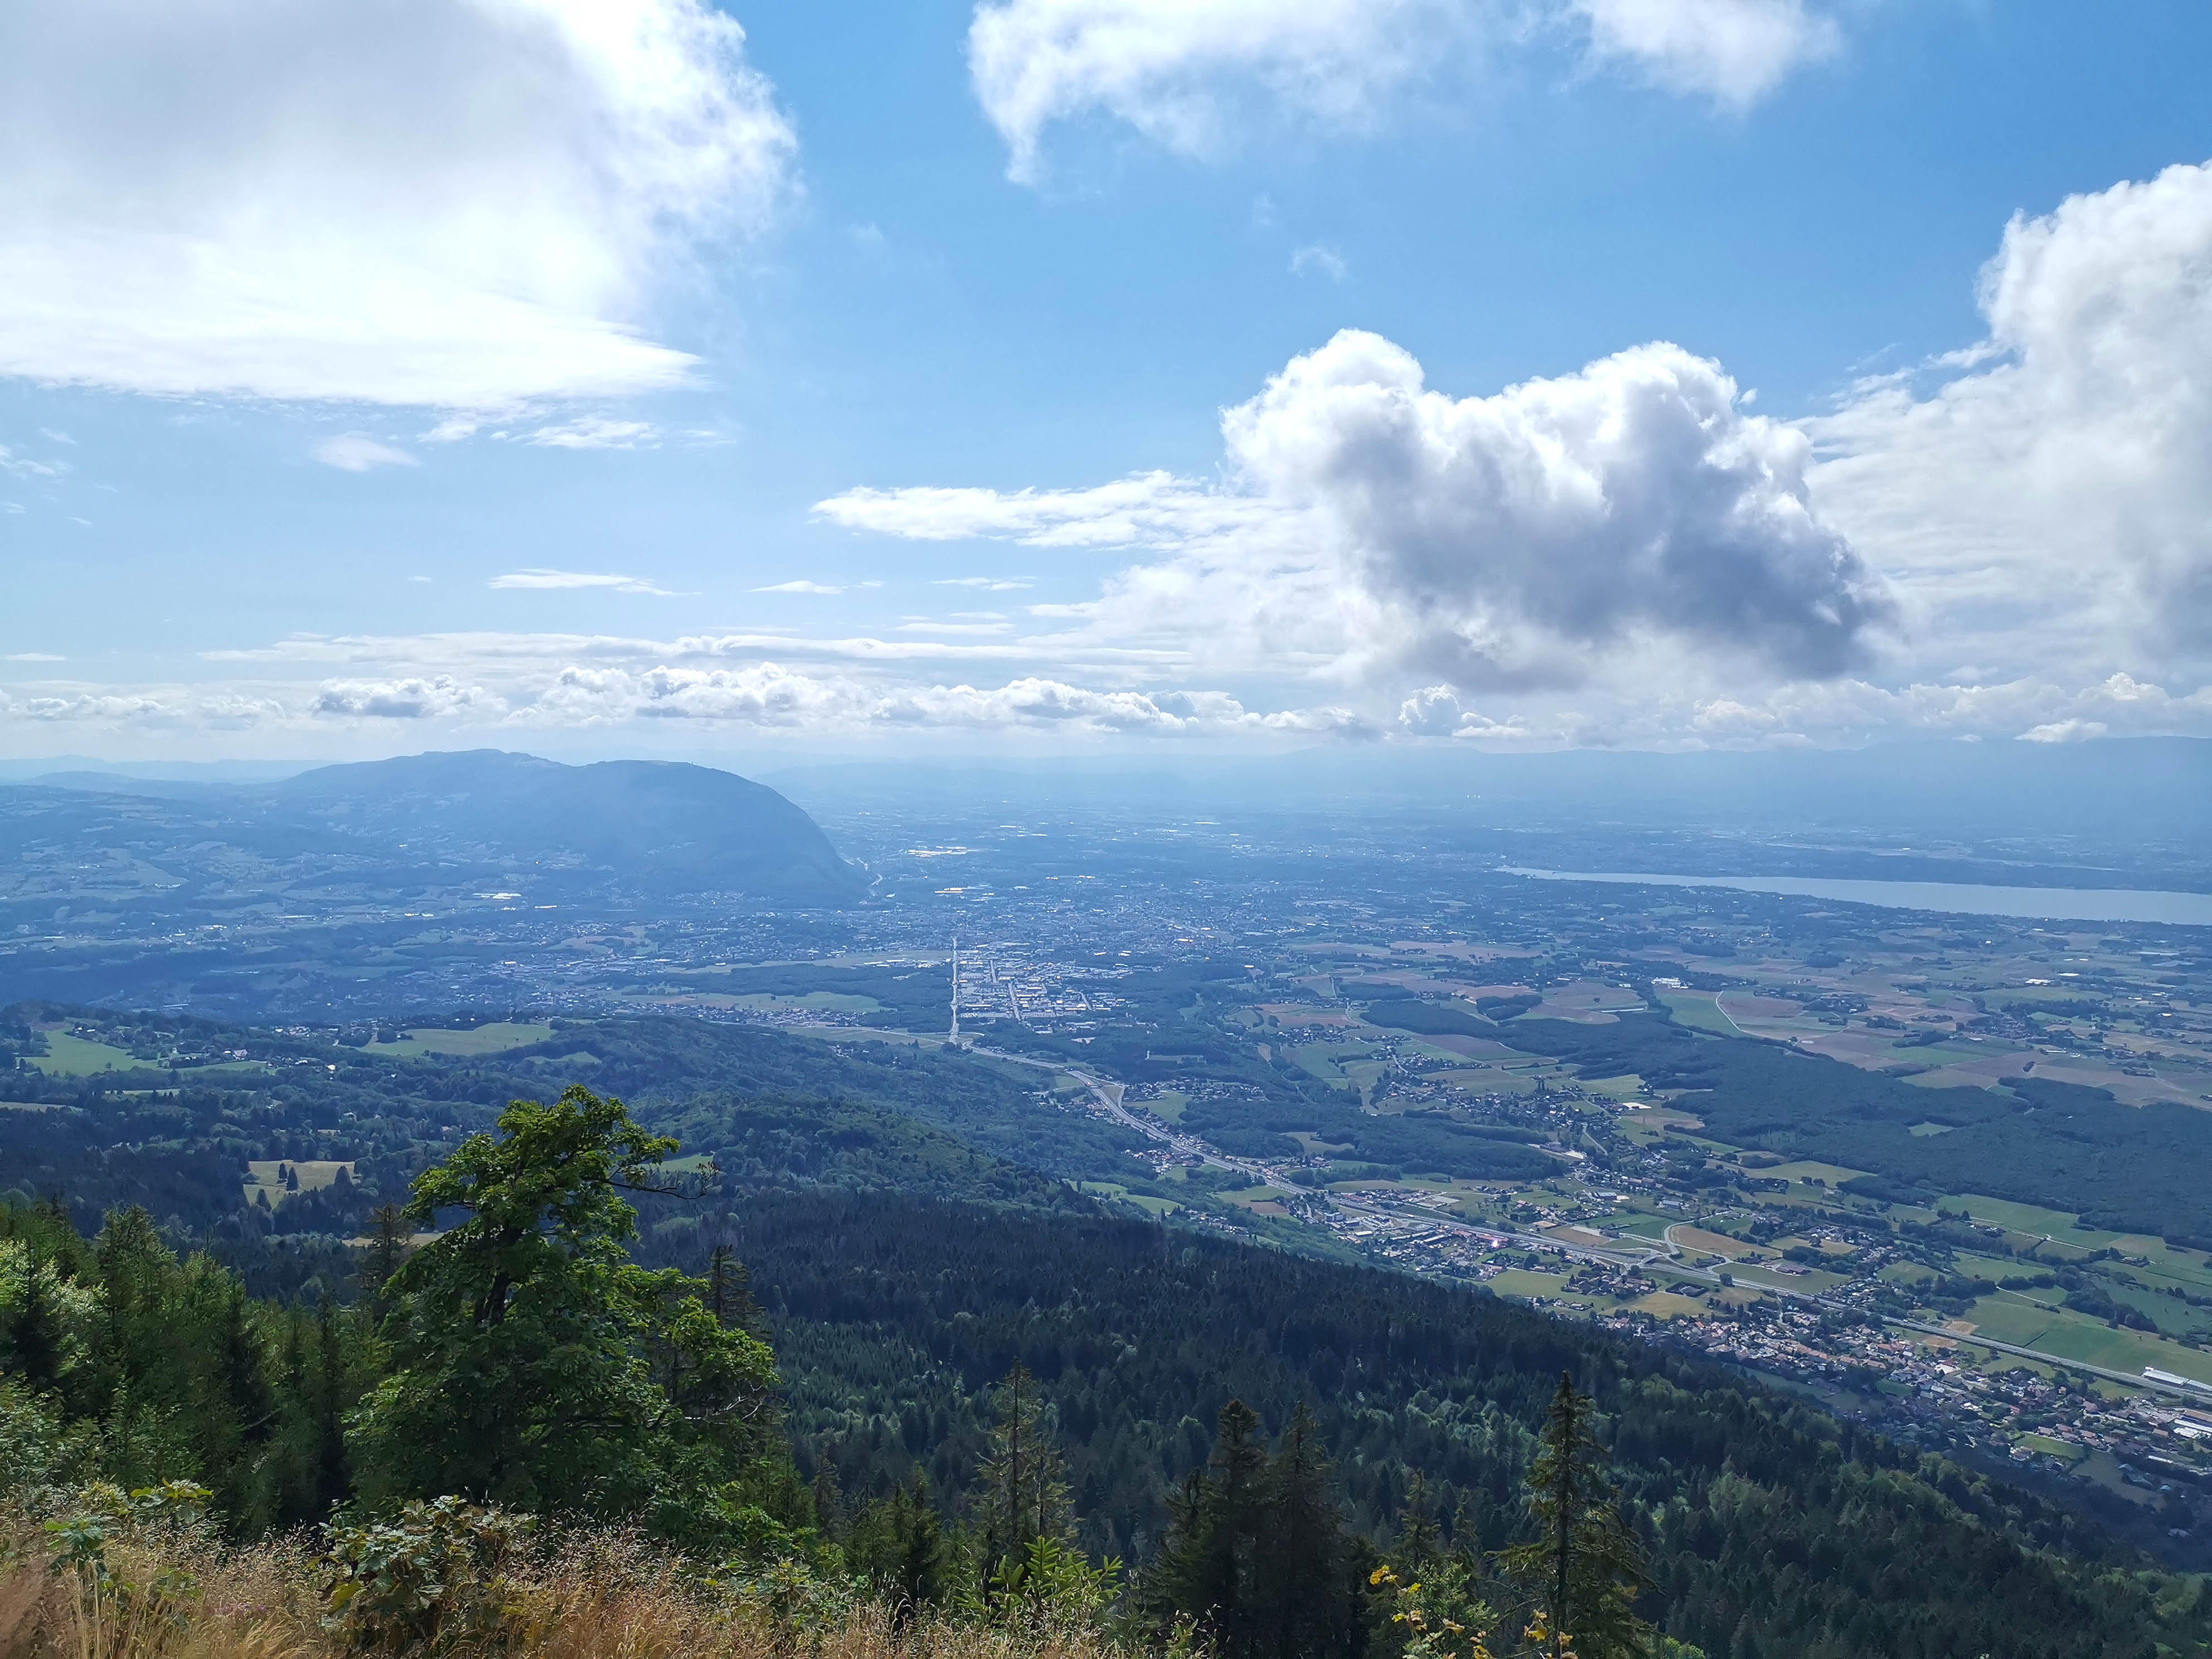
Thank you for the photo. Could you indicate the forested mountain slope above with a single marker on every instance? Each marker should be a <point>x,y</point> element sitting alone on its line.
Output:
<point>903,1229</point>
<point>1774,1530</point>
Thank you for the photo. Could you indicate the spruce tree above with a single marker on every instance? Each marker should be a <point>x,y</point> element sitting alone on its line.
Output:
<point>1257,1556</point>
<point>388,1249</point>
<point>1583,1568</point>
<point>1305,1591</point>
<point>1023,1480</point>
<point>898,1547</point>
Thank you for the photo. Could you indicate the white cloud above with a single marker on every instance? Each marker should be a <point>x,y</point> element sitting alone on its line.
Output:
<point>800,587</point>
<point>1151,508</point>
<point>1174,68</point>
<point>1196,75</point>
<point>1514,534</point>
<point>1734,52</point>
<point>22,466</point>
<point>95,706</point>
<point>2049,500</point>
<point>989,584</point>
<point>595,432</point>
<point>456,202</point>
<point>768,694</point>
<point>2076,730</point>
<point>1321,258</point>
<point>405,699</point>
<point>1375,527</point>
<point>177,709</point>
<point>1430,711</point>
<point>561,580</point>
<point>470,652</point>
<point>356,452</point>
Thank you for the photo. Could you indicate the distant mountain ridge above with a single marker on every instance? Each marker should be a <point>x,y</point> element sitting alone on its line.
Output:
<point>661,827</point>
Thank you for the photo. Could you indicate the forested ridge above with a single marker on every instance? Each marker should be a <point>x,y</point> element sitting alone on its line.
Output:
<point>904,1272</point>
<point>1773,1529</point>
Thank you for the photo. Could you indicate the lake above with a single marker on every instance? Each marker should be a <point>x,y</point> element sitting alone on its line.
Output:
<point>2037,903</point>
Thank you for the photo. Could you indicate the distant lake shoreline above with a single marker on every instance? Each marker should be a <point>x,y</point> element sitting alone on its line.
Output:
<point>2032,903</point>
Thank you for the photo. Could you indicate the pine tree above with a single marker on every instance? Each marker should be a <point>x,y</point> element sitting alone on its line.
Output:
<point>1420,1540</point>
<point>1208,1564</point>
<point>387,1251</point>
<point>34,1335</point>
<point>898,1547</point>
<point>1584,1567</point>
<point>1306,1600</point>
<point>1024,1484</point>
<point>729,1293</point>
<point>336,1393</point>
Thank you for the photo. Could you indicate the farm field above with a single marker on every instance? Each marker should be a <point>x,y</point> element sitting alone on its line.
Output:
<point>76,1056</point>
<point>1700,1011</point>
<point>492,1039</point>
<point>266,1176</point>
<point>1833,1175</point>
<point>2012,1316</point>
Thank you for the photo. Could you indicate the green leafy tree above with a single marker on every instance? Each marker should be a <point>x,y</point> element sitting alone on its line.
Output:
<point>1583,1568</point>
<point>533,1364</point>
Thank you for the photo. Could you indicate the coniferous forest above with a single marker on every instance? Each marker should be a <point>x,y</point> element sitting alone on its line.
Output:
<point>970,1410</point>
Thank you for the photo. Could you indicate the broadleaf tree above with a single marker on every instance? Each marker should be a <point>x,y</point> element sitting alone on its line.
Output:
<point>530,1361</point>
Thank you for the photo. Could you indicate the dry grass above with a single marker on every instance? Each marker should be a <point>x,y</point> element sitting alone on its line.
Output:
<point>587,1596</point>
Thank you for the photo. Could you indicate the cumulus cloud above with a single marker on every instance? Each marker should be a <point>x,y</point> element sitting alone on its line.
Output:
<point>769,694</point>
<point>1321,258</point>
<point>1513,533</point>
<point>171,709</point>
<point>2074,730</point>
<point>1190,75</point>
<point>356,452</point>
<point>1734,52</point>
<point>1430,711</point>
<point>97,706</point>
<point>557,581</point>
<point>1383,528</point>
<point>2050,491</point>
<point>405,699</point>
<point>456,202</point>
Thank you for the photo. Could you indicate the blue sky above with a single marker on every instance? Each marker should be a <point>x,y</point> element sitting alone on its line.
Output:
<point>1657,373</point>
